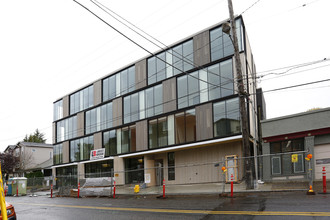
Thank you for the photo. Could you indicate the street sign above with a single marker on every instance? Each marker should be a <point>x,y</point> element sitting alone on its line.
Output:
<point>294,158</point>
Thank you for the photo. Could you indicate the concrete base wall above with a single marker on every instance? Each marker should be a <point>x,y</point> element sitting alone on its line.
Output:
<point>196,165</point>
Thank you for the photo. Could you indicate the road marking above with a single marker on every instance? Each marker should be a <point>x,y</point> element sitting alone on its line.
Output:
<point>185,211</point>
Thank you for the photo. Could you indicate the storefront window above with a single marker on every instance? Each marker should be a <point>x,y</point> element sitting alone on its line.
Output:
<point>171,164</point>
<point>282,163</point>
<point>99,169</point>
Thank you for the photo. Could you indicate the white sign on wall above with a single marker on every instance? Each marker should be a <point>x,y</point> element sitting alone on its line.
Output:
<point>147,178</point>
<point>97,154</point>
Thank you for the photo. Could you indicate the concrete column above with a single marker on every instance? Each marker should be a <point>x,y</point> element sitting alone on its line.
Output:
<point>149,170</point>
<point>66,152</point>
<point>80,124</point>
<point>266,163</point>
<point>141,74</point>
<point>98,140</point>
<point>97,86</point>
<point>201,52</point>
<point>66,106</point>
<point>119,168</point>
<point>81,171</point>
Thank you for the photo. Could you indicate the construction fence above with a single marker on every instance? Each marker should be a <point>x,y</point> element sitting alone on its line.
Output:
<point>265,172</point>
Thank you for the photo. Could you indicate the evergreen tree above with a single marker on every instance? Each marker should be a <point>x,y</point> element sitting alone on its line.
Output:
<point>36,137</point>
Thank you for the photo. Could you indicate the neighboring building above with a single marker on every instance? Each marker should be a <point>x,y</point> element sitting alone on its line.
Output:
<point>30,155</point>
<point>160,114</point>
<point>303,133</point>
<point>10,149</point>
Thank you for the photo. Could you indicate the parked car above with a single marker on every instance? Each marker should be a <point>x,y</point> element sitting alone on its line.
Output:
<point>11,214</point>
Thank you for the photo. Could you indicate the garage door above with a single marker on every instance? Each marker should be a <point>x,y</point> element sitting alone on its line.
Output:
<point>322,159</point>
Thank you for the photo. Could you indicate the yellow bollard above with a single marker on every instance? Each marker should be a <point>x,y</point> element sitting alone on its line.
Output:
<point>2,199</point>
<point>137,188</point>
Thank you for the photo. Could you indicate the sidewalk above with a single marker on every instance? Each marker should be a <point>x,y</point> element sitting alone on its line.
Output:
<point>189,189</point>
<point>209,188</point>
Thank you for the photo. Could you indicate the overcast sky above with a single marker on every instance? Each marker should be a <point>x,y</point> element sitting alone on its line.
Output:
<point>49,48</point>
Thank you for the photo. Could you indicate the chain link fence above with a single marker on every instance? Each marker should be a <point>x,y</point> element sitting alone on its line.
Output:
<point>280,171</point>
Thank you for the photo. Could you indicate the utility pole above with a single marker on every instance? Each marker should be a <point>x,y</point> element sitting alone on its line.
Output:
<point>242,101</point>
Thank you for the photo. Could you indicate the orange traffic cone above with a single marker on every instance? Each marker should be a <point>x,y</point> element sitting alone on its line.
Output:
<point>310,191</point>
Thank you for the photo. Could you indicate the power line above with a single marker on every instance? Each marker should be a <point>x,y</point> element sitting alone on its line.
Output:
<point>250,6</point>
<point>136,42</point>
<point>293,67</point>
<point>288,74</point>
<point>174,53</point>
<point>298,85</point>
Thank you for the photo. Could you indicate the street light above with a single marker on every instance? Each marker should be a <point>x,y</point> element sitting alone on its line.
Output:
<point>226,28</point>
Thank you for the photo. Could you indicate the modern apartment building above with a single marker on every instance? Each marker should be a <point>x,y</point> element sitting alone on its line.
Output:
<point>179,107</point>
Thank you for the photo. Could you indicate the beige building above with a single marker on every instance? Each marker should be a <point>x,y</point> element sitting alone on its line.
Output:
<point>30,155</point>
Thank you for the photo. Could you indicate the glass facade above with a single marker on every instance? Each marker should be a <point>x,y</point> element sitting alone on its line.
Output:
<point>80,149</point>
<point>282,164</point>
<point>134,168</point>
<point>185,127</point>
<point>58,110</point>
<point>120,141</point>
<point>119,84</point>
<point>58,154</point>
<point>99,169</point>
<point>171,62</point>
<point>144,104</point>
<point>161,132</point>
<point>214,82</point>
<point>66,129</point>
<point>173,129</point>
<point>82,100</point>
<point>226,118</point>
<point>221,44</point>
<point>66,176</point>
<point>99,118</point>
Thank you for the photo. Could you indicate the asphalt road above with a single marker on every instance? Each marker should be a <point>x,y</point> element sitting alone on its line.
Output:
<point>289,205</point>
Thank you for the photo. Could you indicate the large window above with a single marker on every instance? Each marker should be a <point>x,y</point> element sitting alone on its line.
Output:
<point>119,84</point>
<point>66,176</point>
<point>201,86</point>
<point>66,129</point>
<point>281,163</point>
<point>58,154</point>
<point>185,127</point>
<point>146,103</point>
<point>82,100</point>
<point>120,141</point>
<point>173,129</point>
<point>171,62</point>
<point>221,44</point>
<point>161,132</point>
<point>134,170</point>
<point>58,110</point>
<point>99,118</point>
<point>99,169</point>
<point>171,164</point>
<point>226,118</point>
<point>80,149</point>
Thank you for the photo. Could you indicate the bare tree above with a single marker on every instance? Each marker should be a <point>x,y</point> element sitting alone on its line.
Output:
<point>8,163</point>
<point>25,159</point>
